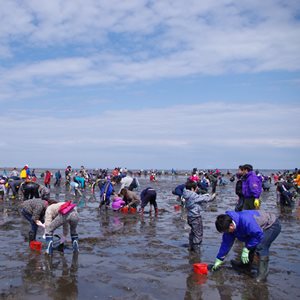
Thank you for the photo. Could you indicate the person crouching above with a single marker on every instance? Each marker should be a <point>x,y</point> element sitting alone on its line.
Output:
<point>257,229</point>
<point>54,218</point>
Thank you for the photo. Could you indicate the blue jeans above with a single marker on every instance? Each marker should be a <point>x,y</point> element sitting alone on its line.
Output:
<point>270,235</point>
<point>28,217</point>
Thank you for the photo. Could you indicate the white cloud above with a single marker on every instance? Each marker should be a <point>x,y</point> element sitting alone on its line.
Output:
<point>178,127</point>
<point>153,39</point>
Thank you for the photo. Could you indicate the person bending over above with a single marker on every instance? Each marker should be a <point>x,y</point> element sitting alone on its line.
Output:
<point>257,229</point>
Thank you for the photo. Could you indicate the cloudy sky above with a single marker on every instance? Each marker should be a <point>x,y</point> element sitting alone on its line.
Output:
<point>150,84</point>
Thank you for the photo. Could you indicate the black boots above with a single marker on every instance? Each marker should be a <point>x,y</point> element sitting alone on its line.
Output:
<point>31,236</point>
<point>263,268</point>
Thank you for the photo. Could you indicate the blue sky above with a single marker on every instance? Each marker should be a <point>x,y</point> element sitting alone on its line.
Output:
<point>150,84</point>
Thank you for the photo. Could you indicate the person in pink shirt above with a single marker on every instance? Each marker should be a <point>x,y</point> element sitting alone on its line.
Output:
<point>117,203</point>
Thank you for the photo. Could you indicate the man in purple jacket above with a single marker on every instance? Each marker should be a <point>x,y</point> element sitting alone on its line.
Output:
<point>251,187</point>
<point>257,229</point>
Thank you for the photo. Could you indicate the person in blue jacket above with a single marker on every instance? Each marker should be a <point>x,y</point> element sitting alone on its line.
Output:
<point>106,191</point>
<point>257,229</point>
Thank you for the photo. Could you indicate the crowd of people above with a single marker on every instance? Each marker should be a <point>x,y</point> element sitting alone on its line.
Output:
<point>256,228</point>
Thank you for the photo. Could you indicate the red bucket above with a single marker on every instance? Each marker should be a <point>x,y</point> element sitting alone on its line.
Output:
<point>124,210</point>
<point>127,210</point>
<point>35,245</point>
<point>200,268</point>
<point>177,207</point>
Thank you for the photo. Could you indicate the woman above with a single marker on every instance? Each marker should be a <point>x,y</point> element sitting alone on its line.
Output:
<point>33,211</point>
<point>54,219</point>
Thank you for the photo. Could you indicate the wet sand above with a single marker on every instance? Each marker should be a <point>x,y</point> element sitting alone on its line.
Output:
<point>133,257</point>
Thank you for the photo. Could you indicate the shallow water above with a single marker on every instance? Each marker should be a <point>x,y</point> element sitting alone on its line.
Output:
<point>133,257</point>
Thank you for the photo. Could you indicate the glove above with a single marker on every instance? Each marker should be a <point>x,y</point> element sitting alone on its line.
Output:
<point>245,256</point>
<point>39,223</point>
<point>218,263</point>
<point>256,203</point>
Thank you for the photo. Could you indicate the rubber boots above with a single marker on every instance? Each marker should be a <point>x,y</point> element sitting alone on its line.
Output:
<point>263,268</point>
<point>156,211</point>
<point>31,236</point>
<point>49,241</point>
<point>75,243</point>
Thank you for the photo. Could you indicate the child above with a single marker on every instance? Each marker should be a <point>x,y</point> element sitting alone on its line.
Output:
<point>192,204</point>
<point>118,203</point>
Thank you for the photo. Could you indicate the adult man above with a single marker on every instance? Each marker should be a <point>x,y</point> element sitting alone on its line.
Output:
<point>251,187</point>
<point>257,229</point>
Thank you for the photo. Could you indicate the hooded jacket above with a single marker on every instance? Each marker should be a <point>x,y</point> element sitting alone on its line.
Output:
<point>252,185</point>
<point>118,202</point>
<point>250,226</point>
